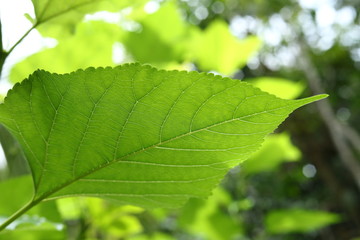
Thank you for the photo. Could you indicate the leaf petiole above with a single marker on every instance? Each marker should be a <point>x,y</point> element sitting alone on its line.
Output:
<point>18,213</point>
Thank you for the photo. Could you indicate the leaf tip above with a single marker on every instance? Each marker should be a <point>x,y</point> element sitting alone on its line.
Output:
<point>312,99</point>
<point>322,96</point>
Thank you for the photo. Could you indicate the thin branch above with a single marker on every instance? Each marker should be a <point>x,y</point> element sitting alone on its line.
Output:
<point>41,21</point>
<point>1,44</point>
<point>3,54</point>
<point>22,38</point>
<point>352,136</point>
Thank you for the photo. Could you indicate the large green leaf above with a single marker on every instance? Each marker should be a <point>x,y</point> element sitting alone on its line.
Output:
<point>135,134</point>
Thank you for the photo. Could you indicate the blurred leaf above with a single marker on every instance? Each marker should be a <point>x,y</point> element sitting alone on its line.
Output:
<point>207,218</point>
<point>218,50</point>
<point>168,22</point>
<point>298,220</point>
<point>276,149</point>
<point>116,221</point>
<point>11,201</point>
<point>245,204</point>
<point>155,236</point>
<point>133,132</point>
<point>44,231</point>
<point>94,46</point>
<point>60,17</point>
<point>40,222</point>
<point>70,208</point>
<point>15,159</point>
<point>162,37</point>
<point>282,88</point>
<point>102,216</point>
<point>48,9</point>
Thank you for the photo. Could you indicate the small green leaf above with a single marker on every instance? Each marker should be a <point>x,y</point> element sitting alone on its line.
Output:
<point>135,134</point>
<point>298,220</point>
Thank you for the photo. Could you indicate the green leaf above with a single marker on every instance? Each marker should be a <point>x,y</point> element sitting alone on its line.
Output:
<point>217,49</point>
<point>298,220</point>
<point>105,218</point>
<point>154,236</point>
<point>48,9</point>
<point>61,17</point>
<point>38,223</point>
<point>94,47</point>
<point>11,200</point>
<point>135,134</point>
<point>208,219</point>
<point>163,32</point>
<point>276,149</point>
<point>173,29</point>
<point>119,222</point>
<point>34,232</point>
<point>280,87</point>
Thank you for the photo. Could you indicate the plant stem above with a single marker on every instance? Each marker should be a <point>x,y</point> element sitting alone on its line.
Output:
<point>3,54</point>
<point>20,212</point>
<point>22,38</point>
<point>1,45</point>
<point>339,136</point>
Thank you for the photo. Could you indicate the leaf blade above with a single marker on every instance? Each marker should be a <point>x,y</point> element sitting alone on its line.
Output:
<point>136,134</point>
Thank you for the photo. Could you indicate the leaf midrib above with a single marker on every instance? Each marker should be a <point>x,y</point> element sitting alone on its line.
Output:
<point>45,195</point>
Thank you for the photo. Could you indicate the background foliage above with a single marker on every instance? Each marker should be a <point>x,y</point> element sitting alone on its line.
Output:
<point>303,184</point>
